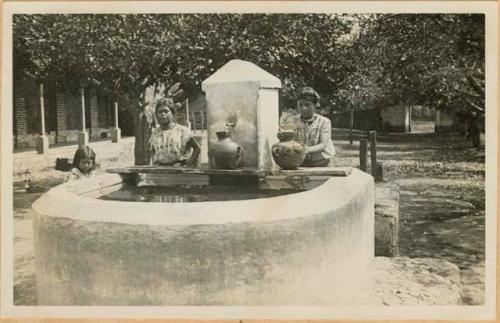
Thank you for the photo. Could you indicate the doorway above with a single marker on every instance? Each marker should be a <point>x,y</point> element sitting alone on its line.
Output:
<point>422,119</point>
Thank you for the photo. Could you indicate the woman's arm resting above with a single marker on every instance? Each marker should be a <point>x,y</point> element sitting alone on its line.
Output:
<point>323,141</point>
<point>193,160</point>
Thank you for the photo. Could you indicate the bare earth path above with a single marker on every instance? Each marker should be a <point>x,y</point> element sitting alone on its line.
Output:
<point>442,200</point>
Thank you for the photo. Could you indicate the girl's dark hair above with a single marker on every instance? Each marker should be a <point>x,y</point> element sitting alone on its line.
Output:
<point>84,153</point>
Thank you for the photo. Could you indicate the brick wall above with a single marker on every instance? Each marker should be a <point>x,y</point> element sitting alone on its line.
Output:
<point>20,125</point>
<point>60,114</point>
<point>94,113</point>
<point>105,113</point>
<point>50,106</point>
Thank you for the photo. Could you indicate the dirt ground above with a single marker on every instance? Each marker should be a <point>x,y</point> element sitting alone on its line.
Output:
<point>441,206</point>
<point>442,199</point>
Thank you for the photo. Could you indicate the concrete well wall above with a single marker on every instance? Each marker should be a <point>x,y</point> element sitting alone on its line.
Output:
<point>308,248</point>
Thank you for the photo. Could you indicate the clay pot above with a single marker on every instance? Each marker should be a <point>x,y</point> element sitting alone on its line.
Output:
<point>288,153</point>
<point>226,154</point>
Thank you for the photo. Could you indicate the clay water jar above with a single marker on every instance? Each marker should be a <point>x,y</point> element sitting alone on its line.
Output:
<point>288,153</point>
<point>226,154</point>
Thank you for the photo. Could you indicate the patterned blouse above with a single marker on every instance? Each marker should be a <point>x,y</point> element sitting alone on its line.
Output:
<point>169,146</point>
<point>309,133</point>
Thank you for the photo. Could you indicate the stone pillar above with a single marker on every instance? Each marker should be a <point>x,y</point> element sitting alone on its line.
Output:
<point>116,131</point>
<point>188,124</point>
<point>408,118</point>
<point>245,95</point>
<point>60,115</point>
<point>20,114</point>
<point>94,114</point>
<point>83,136</point>
<point>42,142</point>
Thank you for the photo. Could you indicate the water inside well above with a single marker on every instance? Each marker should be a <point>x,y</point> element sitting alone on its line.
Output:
<point>194,193</point>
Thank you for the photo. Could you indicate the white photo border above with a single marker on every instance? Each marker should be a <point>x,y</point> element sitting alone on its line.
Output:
<point>487,311</point>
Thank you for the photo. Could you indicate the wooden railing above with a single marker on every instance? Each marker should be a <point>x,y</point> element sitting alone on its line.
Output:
<point>198,120</point>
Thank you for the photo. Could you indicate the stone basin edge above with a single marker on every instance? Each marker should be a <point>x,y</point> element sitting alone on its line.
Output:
<point>63,201</point>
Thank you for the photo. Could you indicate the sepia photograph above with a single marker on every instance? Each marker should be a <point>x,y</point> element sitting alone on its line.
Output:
<point>249,160</point>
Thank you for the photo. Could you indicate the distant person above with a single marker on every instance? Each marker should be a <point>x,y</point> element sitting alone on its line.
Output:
<point>28,182</point>
<point>171,143</point>
<point>83,164</point>
<point>311,129</point>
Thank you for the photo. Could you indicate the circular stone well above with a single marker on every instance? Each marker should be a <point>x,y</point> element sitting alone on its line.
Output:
<point>307,248</point>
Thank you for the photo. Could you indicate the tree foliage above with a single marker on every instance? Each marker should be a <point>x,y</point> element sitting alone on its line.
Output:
<point>353,61</point>
<point>126,53</point>
<point>432,59</point>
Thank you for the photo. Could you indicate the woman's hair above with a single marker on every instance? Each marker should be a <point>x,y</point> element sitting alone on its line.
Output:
<point>308,93</point>
<point>84,153</point>
<point>165,102</point>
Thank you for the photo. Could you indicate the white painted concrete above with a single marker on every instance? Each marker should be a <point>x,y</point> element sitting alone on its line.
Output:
<point>303,248</point>
<point>245,95</point>
<point>397,117</point>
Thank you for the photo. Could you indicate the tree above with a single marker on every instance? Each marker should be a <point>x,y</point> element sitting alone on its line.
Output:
<point>125,54</point>
<point>432,59</point>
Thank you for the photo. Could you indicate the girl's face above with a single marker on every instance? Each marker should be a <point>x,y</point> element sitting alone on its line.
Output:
<point>85,165</point>
<point>164,115</point>
<point>305,108</point>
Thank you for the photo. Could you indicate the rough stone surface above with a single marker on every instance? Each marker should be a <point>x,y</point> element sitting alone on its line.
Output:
<point>386,219</point>
<point>401,281</point>
<point>473,284</point>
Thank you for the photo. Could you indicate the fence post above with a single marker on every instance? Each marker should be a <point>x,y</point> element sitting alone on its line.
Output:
<point>202,121</point>
<point>380,172</point>
<point>194,121</point>
<point>187,113</point>
<point>363,153</point>
<point>42,142</point>
<point>351,125</point>
<point>373,153</point>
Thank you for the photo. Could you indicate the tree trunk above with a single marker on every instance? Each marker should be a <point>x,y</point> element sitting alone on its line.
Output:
<point>143,124</point>
<point>142,150</point>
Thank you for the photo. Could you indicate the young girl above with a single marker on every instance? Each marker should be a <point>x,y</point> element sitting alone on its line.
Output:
<point>83,164</point>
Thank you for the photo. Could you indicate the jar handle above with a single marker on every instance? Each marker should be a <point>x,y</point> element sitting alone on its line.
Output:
<point>239,152</point>
<point>275,151</point>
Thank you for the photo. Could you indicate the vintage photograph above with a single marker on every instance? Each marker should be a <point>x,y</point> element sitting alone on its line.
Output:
<point>244,158</point>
